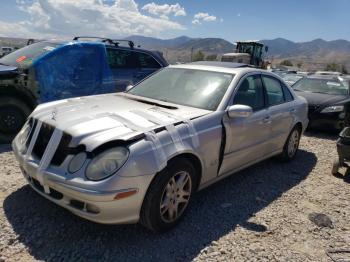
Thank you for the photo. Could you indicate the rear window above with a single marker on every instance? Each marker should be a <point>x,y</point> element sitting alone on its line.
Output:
<point>130,59</point>
<point>25,56</point>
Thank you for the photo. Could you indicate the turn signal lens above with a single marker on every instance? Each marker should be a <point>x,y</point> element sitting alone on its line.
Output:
<point>125,194</point>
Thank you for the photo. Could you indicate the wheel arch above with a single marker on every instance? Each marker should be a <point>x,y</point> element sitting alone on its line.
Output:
<point>195,160</point>
<point>299,125</point>
<point>23,95</point>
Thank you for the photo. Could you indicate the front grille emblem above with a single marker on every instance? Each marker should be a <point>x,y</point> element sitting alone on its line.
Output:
<point>54,114</point>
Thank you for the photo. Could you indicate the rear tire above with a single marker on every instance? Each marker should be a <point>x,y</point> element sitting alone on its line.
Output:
<point>168,196</point>
<point>13,114</point>
<point>291,146</point>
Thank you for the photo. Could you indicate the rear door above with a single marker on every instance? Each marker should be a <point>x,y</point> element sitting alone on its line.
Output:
<point>247,138</point>
<point>280,109</point>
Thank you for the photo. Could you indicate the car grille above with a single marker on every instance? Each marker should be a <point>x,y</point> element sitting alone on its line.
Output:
<point>43,140</point>
<point>62,150</point>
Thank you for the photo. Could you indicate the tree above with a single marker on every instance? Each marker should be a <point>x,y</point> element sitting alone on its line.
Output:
<point>199,56</point>
<point>300,64</point>
<point>211,57</point>
<point>344,70</point>
<point>332,67</point>
<point>286,63</point>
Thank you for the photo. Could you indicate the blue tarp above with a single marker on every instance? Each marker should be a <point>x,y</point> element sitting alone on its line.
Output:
<point>75,69</point>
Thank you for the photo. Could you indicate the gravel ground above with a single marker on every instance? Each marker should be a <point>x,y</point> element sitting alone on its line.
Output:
<point>259,214</point>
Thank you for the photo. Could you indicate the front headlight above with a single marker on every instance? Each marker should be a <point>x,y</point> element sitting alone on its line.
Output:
<point>77,162</point>
<point>106,163</point>
<point>22,137</point>
<point>24,133</point>
<point>332,109</point>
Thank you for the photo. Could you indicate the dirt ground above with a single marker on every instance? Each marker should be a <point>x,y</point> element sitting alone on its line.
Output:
<point>259,214</point>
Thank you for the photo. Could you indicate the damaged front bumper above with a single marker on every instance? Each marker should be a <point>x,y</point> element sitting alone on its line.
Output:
<point>104,207</point>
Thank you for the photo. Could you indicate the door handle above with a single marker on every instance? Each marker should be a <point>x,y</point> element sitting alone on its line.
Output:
<point>292,110</point>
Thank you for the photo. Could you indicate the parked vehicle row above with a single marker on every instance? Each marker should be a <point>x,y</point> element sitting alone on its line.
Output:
<point>139,156</point>
<point>328,99</point>
<point>51,70</point>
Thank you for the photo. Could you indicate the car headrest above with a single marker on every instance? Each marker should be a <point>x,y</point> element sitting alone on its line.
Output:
<point>244,86</point>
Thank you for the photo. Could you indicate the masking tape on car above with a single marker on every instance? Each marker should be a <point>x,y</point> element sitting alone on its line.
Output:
<point>32,142</point>
<point>158,151</point>
<point>175,137</point>
<point>193,132</point>
<point>48,155</point>
<point>190,126</point>
<point>151,136</point>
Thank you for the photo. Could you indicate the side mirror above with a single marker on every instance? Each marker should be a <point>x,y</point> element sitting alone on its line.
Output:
<point>239,111</point>
<point>129,87</point>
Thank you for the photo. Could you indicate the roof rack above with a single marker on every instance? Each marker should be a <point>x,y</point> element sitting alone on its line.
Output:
<point>130,43</point>
<point>103,39</point>
<point>30,41</point>
<point>115,42</point>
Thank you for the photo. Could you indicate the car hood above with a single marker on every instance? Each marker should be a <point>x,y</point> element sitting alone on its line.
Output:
<point>8,71</point>
<point>95,120</point>
<point>322,100</point>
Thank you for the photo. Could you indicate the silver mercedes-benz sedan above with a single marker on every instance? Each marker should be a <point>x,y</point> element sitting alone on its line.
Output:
<point>139,156</point>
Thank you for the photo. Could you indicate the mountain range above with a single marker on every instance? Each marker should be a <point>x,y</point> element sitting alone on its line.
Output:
<point>312,55</point>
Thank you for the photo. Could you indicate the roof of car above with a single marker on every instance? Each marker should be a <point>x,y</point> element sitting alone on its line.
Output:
<point>325,77</point>
<point>157,54</point>
<point>224,67</point>
<point>219,64</point>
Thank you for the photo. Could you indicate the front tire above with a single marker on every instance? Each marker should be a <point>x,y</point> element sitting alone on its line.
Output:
<point>291,146</point>
<point>13,114</point>
<point>168,196</point>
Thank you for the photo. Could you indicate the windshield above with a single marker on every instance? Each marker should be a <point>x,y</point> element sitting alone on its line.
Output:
<point>25,56</point>
<point>291,78</point>
<point>196,88</point>
<point>326,86</point>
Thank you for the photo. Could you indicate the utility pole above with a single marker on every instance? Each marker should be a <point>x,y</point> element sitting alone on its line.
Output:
<point>192,54</point>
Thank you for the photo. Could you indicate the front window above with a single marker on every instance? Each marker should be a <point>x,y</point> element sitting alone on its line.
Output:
<point>196,88</point>
<point>250,93</point>
<point>325,86</point>
<point>25,56</point>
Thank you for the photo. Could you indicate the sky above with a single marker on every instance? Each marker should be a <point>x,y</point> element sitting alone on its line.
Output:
<point>296,20</point>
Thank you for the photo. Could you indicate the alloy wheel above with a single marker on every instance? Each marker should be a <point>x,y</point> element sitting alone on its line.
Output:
<point>176,196</point>
<point>293,143</point>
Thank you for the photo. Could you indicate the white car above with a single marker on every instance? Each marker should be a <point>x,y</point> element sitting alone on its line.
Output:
<point>139,156</point>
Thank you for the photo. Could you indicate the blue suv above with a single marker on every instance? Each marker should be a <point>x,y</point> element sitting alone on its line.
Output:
<point>52,70</point>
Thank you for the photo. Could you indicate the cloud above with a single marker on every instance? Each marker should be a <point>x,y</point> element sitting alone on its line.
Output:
<point>203,17</point>
<point>164,10</point>
<point>57,18</point>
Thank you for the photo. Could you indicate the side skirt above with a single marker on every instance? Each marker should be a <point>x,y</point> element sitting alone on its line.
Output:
<point>238,169</point>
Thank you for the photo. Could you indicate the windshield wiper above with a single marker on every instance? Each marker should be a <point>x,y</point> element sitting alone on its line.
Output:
<point>153,103</point>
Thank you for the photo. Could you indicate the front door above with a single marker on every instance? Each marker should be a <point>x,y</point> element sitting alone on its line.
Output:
<point>247,138</point>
